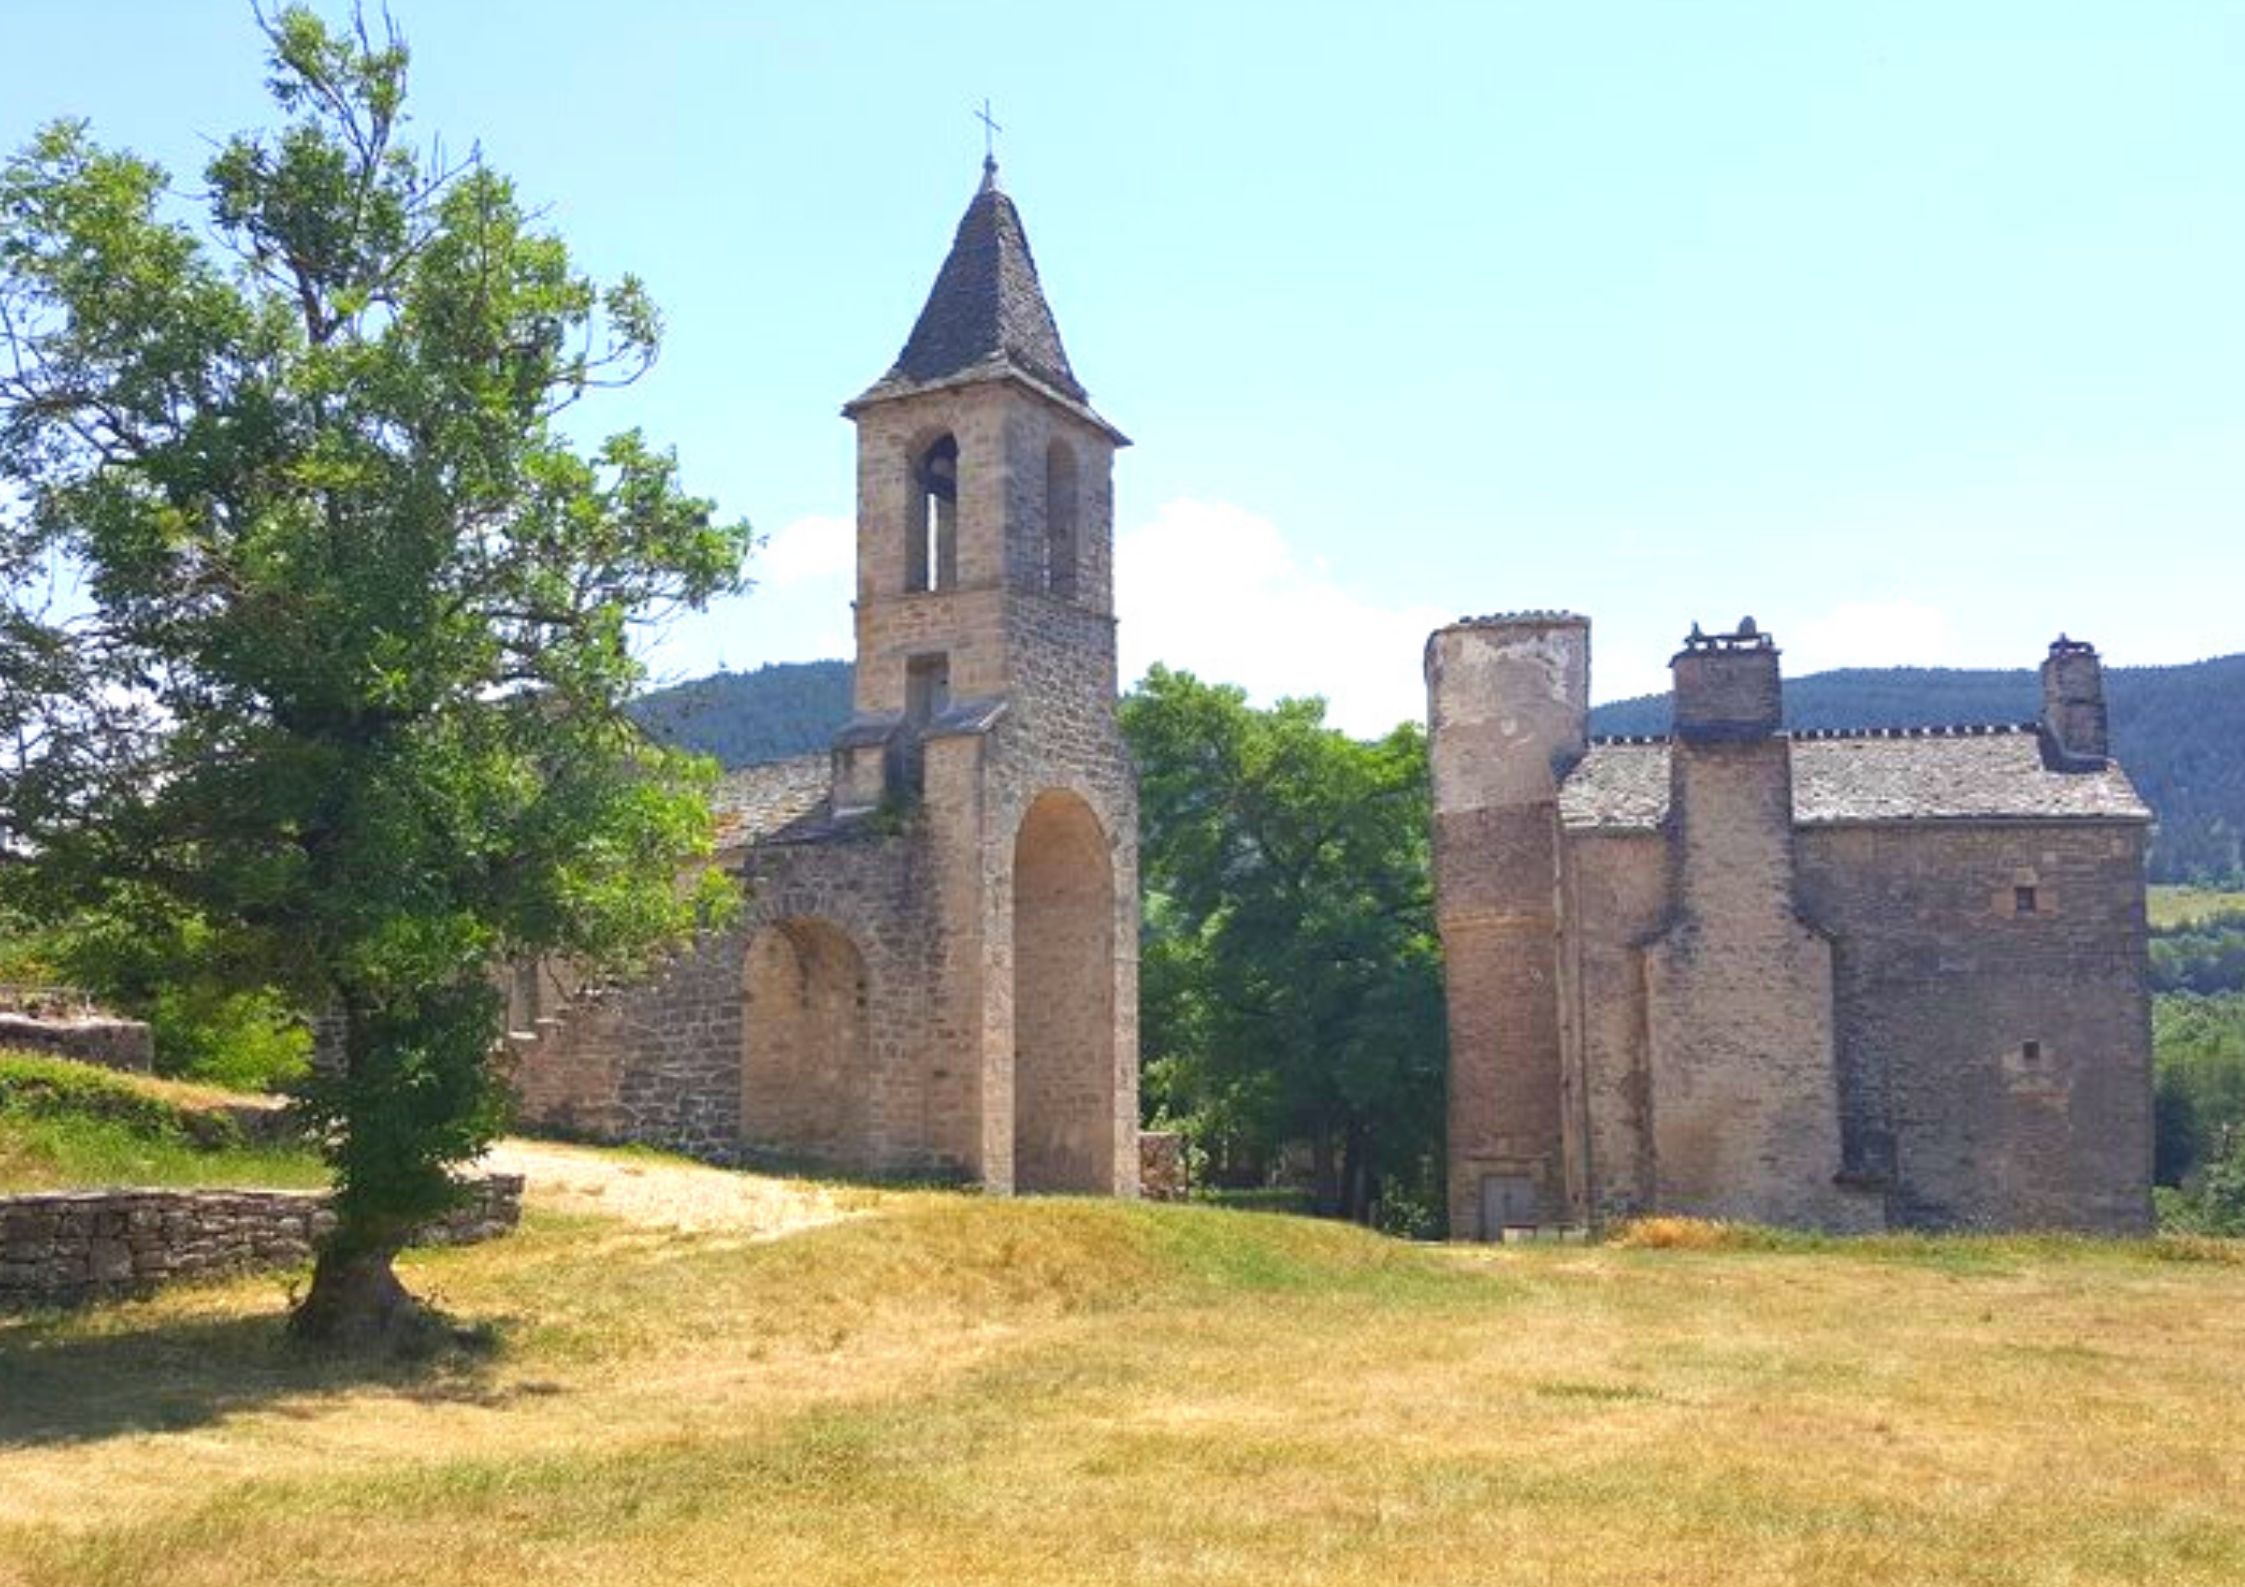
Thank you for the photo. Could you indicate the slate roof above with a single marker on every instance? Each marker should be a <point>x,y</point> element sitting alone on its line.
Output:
<point>753,803</point>
<point>1897,774</point>
<point>986,316</point>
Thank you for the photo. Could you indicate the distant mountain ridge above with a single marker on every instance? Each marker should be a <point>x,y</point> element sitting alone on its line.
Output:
<point>2180,731</point>
<point>743,718</point>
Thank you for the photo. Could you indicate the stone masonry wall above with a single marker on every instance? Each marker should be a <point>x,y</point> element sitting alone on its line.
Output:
<point>1507,704</point>
<point>926,894</point>
<point>662,1061</point>
<point>90,1038</point>
<point>67,1247</point>
<point>1998,1061</point>
<point>1616,899</point>
<point>1938,985</point>
<point>1739,1008</point>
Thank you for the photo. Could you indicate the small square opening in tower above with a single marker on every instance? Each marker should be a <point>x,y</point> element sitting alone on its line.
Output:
<point>2031,1051</point>
<point>927,687</point>
<point>2025,901</point>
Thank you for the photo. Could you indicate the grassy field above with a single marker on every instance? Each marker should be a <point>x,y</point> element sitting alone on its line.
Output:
<point>64,1125</point>
<point>2180,906</point>
<point>952,1390</point>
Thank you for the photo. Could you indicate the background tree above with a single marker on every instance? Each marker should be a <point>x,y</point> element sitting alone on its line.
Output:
<point>1291,987</point>
<point>345,700</point>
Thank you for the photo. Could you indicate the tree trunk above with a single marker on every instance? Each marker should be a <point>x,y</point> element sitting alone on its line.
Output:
<point>356,1302</point>
<point>1325,1180</point>
<point>1356,1175</point>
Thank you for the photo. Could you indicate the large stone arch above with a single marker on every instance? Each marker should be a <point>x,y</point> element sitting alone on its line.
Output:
<point>806,1060</point>
<point>1064,1103</point>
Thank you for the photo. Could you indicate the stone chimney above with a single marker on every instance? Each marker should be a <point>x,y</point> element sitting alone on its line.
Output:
<point>2073,703</point>
<point>1726,686</point>
<point>1742,1063</point>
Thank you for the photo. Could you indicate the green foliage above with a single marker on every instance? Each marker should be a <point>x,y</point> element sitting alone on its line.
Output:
<point>64,1125</point>
<point>2198,1043</point>
<point>745,718</point>
<point>156,964</point>
<point>55,1088</point>
<point>2198,1055</point>
<point>244,1041</point>
<point>1290,985</point>
<point>350,697</point>
<point>2213,1203</point>
<point>2179,731</point>
<point>2206,955</point>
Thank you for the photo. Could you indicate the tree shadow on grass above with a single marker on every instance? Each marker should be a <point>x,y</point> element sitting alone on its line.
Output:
<point>74,1378</point>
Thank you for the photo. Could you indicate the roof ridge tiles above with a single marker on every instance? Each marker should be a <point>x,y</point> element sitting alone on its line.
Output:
<point>1814,735</point>
<point>1530,615</point>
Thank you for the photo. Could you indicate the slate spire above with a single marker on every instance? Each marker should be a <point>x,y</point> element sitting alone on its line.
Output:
<point>986,316</point>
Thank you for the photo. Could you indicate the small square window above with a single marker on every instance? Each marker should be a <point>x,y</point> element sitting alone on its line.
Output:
<point>927,687</point>
<point>2024,901</point>
<point>2031,1051</point>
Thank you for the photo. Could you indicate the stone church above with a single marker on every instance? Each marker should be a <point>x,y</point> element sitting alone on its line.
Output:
<point>1848,980</point>
<point>936,969</point>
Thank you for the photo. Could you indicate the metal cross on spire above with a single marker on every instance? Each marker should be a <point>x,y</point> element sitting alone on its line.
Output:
<point>990,131</point>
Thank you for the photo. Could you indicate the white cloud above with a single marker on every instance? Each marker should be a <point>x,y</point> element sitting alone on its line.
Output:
<point>805,575</point>
<point>1214,589</point>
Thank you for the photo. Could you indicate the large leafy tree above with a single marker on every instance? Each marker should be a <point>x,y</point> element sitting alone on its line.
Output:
<point>1291,988</point>
<point>344,688</point>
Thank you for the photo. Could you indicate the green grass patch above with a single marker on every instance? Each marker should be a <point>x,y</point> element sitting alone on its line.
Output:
<point>1952,1252</point>
<point>70,1126</point>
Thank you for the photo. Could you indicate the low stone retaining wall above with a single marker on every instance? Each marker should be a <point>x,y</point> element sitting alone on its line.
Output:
<point>90,1038</point>
<point>62,1248</point>
<point>1161,1165</point>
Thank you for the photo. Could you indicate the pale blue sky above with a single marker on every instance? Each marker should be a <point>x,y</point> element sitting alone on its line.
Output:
<point>1914,330</point>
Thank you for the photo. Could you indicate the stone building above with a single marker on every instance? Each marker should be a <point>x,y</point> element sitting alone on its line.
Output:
<point>1851,980</point>
<point>936,970</point>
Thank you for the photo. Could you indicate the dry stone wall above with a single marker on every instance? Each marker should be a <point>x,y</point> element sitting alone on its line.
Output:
<point>67,1247</point>
<point>89,1038</point>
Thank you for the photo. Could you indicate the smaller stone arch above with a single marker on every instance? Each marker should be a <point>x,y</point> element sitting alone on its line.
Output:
<point>806,1060</point>
<point>931,552</point>
<point>1064,1081</point>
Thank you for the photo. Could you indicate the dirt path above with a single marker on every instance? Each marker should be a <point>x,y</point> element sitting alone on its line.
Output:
<point>672,1195</point>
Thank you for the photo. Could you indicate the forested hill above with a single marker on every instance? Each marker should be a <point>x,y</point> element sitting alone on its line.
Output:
<point>788,708</point>
<point>2180,732</point>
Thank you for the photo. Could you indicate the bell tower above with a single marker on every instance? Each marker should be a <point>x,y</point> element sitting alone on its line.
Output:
<point>985,513</point>
<point>984,712</point>
<point>935,968</point>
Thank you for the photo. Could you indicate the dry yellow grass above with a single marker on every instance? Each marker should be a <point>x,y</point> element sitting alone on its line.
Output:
<point>2183,906</point>
<point>963,1391</point>
<point>666,1192</point>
